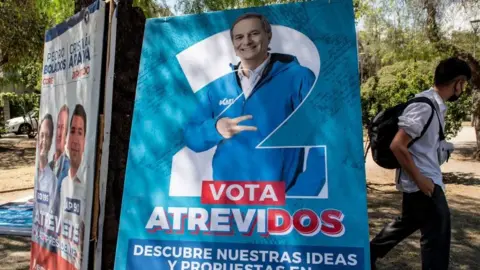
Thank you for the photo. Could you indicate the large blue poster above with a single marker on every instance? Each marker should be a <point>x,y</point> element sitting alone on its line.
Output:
<point>246,144</point>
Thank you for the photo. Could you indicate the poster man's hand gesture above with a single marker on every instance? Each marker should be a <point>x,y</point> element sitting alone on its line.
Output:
<point>228,127</point>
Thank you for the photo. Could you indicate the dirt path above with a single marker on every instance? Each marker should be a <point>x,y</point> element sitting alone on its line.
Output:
<point>462,177</point>
<point>14,252</point>
<point>17,159</point>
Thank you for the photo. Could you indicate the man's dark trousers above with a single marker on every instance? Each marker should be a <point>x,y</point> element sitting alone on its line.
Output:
<point>429,214</point>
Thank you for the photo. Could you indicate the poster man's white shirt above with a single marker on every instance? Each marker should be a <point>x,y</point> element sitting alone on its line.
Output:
<point>72,212</point>
<point>46,190</point>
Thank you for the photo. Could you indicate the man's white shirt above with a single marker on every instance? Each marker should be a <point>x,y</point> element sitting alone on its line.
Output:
<point>72,213</point>
<point>425,150</point>
<point>46,190</point>
<point>248,83</point>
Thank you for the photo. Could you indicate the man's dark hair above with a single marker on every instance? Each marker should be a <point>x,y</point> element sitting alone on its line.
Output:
<point>449,69</point>
<point>80,111</point>
<point>265,24</point>
<point>64,108</point>
<point>50,125</point>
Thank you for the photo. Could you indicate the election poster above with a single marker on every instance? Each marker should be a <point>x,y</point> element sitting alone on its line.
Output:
<point>246,143</point>
<point>66,141</point>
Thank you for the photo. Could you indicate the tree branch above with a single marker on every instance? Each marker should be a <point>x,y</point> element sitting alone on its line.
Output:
<point>3,60</point>
<point>433,34</point>
<point>79,4</point>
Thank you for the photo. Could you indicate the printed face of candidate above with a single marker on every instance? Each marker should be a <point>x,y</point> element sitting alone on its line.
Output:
<point>61,136</point>
<point>76,141</point>
<point>250,40</point>
<point>45,138</point>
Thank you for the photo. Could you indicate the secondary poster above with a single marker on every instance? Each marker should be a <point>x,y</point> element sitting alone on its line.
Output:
<point>66,141</point>
<point>246,144</point>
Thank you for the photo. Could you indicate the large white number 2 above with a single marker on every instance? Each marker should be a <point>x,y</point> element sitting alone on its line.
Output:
<point>213,56</point>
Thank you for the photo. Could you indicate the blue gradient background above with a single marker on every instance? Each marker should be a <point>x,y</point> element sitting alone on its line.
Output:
<point>330,116</point>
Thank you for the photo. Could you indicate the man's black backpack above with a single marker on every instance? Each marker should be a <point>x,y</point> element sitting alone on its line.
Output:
<point>384,127</point>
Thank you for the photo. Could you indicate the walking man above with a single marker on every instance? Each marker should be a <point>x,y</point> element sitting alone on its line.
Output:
<point>424,205</point>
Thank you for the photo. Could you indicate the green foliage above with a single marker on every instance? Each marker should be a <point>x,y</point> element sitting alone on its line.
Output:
<point>22,27</point>
<point>465,41</point>
<point>20,104</point>
<point>361,8</point>
<point>56,11</point>
<point>399,82</point>
<point>397,56</point>
<point>153,8</point>
<point>22,30</point>
<point>26,72</point>
<point>457,112</point>
<point>200,6</point>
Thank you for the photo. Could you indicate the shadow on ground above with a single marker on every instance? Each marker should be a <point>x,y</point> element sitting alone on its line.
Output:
<point>14,157</point>
<point>384,206</point>
<point>465,150</point>
<point>14,252</point>
<point>457,178</point>
<point>467,179</point>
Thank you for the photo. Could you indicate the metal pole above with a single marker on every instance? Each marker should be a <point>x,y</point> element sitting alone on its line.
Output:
<point>475,26</point>
<point>475,44</point>
<point>474,94</point>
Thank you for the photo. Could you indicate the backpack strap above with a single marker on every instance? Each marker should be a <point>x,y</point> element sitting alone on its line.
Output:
<point>441,135</point>
<point>429,121</point>
<point>429,102</point>
<point>424,130</point>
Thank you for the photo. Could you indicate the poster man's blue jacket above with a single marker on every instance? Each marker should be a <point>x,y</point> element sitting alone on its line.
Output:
<point>282,87</point>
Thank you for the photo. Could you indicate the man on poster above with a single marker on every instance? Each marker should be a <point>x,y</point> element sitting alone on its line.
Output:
<point>73,191</point>
<point>45,192</point>
<point>239,110</point>
<point>60,162</point>
<point>46,180</point>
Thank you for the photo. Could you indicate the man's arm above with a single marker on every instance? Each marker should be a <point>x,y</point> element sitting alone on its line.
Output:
<point>410,125</point>
<point>204,130</point>
<point>303,84</point>
<point>293,163</point>
<point>200,132</point>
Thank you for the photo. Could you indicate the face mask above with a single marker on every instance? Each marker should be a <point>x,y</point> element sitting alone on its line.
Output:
<point>455,97</point>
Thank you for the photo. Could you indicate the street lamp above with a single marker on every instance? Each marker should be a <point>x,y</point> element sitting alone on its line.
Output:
<point>475,26</point>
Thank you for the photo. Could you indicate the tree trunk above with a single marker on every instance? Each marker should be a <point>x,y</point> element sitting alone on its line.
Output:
<point>476,122</point>
<point>79,4</point>
<point>3,60</point>
<point>477,132</point>
<point>433,33</point>
<point>130,28</point>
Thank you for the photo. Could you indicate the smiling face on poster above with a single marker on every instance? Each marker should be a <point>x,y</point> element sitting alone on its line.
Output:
<point>62,130</point>
<point>251,35</point>
<point>246,145</point>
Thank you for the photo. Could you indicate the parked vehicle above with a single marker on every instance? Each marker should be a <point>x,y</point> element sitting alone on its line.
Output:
<point>23,125</point>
